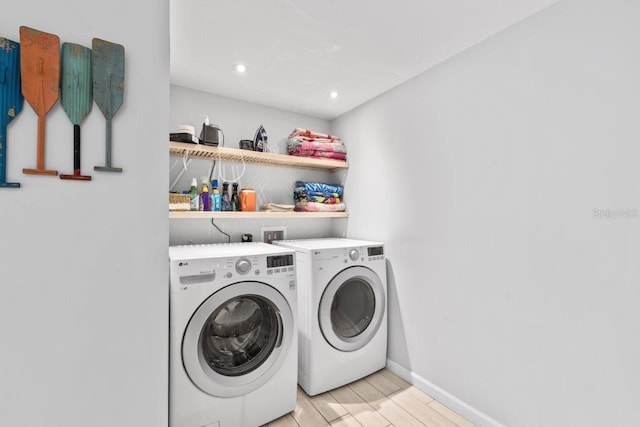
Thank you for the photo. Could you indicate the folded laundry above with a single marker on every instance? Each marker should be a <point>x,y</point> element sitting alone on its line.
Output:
<point>318,197</point>
<point>319,207</point>
<point>277,207</point>
<point>319,154</point>
<point>319,189</point>
<point>307,143</point>
<point>306,133</point>
<point>305,197</point>
<point>301,194</point>
<point>296,144</point>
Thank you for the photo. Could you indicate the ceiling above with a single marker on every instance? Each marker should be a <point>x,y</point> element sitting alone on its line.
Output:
<point>298,51</point>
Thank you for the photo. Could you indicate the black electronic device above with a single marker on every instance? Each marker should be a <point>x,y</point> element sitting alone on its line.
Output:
<point>210,135</point>
<point>183,137</point>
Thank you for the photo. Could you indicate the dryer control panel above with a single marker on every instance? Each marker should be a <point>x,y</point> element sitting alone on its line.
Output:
<point>375,250</point>
<point>253,266</point>
<point>280,264</point>
<point>360,254</point>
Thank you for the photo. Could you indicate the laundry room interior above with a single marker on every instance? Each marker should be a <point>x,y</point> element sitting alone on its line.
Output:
<point>491,169</point>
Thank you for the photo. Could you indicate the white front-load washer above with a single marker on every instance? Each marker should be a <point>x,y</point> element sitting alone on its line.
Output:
<point>233,340</point>
<point>342,311</point>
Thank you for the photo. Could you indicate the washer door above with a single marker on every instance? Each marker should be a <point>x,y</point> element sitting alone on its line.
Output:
<point>352,308</point>
<point>237,339</point>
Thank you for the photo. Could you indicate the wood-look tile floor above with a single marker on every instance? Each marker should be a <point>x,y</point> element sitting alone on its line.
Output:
<point>379,400</point>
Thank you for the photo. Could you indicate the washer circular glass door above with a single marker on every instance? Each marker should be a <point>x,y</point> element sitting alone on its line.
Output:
<point>352,308</point>
<point>237,339</point>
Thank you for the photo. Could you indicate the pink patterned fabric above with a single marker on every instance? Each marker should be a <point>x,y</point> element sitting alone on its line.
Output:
<point>319,154</point>
<point>319,207</point>
<point>296,144</point>
<point>307,143</point>
<point>310,135</point>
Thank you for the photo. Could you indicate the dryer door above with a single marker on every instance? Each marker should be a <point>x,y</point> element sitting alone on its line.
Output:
<point>352,308</point>
<point>237,339</point>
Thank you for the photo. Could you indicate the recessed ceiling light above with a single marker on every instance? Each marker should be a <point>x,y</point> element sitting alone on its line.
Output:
<point>334,94</point>
<point>241,68</point>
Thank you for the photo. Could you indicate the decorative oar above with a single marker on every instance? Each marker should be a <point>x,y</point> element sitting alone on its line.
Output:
<point>40,71</point>
<point>76,96</point>
<point>108,87</point>
<point>10,100</point>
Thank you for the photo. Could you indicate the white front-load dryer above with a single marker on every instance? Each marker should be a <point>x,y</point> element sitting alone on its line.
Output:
<point>233,340</point>
<point>342,311</point>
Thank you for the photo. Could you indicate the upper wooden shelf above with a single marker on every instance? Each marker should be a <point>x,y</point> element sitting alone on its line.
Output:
<point>237,155</point>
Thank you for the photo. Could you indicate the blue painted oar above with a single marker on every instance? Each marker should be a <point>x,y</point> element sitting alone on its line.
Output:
<point>108,87</point>
<point>76,96</point>
<point>11,100</point>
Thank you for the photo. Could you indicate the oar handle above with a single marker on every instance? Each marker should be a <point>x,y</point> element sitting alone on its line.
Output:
<point>76,148</point>
<point>3,153</point>
<point>41,132</point>
<point>108,143</point>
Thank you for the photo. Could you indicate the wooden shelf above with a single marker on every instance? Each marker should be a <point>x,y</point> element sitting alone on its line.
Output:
<point>237,155</point>
<point>255,215</point>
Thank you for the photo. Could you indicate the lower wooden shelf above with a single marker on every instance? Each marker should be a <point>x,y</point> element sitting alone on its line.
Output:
<point>255,215</point>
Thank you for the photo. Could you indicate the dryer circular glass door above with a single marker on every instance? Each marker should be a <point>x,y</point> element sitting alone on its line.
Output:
<point>352,308</point>
<point>237,339</point>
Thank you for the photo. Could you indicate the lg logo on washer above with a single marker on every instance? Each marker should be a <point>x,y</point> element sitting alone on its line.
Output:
<point>180,264</point>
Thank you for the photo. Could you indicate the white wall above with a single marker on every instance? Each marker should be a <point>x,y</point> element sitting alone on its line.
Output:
<point>240,120</point>
<point>83,265</point>
<point>506,291</point>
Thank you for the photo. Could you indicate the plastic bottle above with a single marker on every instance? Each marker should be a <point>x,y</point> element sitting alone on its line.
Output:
<point>215,196</point>
<point>194,197</point>
<point>235,199</point>
<point>226,201</point>
<point>205,197</point>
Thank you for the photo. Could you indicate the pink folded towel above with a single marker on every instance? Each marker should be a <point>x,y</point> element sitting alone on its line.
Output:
<point>319,154</point>
<point>334,147</point>
<point>311,135</point>
<point>320,207</point>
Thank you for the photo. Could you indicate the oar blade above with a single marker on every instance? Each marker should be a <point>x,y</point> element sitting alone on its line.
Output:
<point>76,95</point>
<point>40,68</point>
<point>108,76</point>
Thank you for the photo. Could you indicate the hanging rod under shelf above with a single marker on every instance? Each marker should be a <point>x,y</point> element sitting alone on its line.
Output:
<point>254,215</point>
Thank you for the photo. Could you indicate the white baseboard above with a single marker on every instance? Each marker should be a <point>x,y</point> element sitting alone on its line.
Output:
<point>462,408</point>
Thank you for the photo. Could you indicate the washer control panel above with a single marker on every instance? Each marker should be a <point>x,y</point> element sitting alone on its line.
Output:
<point>252,266</point>
<point>203,271</point>
<point>280,264</point>
<point>362,254</point>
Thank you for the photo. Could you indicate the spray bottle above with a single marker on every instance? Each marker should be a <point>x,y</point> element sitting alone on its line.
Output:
<point>226,200</point>
<point>194,197</point>
<point>235,199</point>
<point>215,196</point>
<point>205,197</point>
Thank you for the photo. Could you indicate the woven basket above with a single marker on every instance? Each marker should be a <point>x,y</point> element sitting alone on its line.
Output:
<point>178,202</point>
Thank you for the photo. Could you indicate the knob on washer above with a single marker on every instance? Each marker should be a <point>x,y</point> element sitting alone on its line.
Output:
<point>243,266</point>
<point>354,254</point>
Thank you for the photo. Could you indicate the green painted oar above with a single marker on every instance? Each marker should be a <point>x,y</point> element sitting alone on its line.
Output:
<point>76,96</point>
<point>11,100</point>
<point>108,87</point>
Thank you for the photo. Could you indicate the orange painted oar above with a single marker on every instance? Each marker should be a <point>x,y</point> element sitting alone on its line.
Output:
<point>40,71</point>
